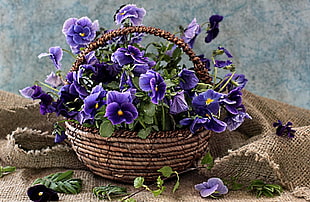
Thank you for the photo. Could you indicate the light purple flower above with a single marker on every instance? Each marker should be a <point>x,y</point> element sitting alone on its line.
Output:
<point>213,187</point>
<point>188,79</point>
<point>131,12</point>
<point>124,56</point>
<point>234,121</point>
<point>153,82</point>
<point>80,32</point>
<point>54,80</point>
<point>191,32</point>
<point>55,54</point>
<point>178,103</point>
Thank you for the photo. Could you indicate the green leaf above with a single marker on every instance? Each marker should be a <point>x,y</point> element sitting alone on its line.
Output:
<point>106,128</point>
<point>157,192</point>
<point>176,186</point>
<point>207,160</point>
<point>138,182</point>
<point>166,171</point>
<point>143,133</point>
<point>61,182</point>
<point>109,191</point>
<point>6,170</point>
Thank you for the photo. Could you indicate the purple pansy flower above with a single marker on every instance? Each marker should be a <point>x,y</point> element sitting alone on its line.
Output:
<point>60,137</point>
<point>234,121</point>
<point>213,187</point>
<point>93,102</point>
<point>40,193</point>
<point>213,28</point>
<point>237,81</point>
<point>124,56</point>
<point>194,124</point>
<point>54,80</point>
<point>207,102</point>
<point>227,53</point>
<point>55,54</point>
<point>35,92</point>
<point>120,108</point>
<point>222,63</point>
<point>232,101</point>
<point>79,32</point>
<point>131,12</point>
<point>284,129</point>
<point>188,79</point>
<point>178,103</point>
<point>152,81</point>
<point>209,123</point>
<point>191,32</point>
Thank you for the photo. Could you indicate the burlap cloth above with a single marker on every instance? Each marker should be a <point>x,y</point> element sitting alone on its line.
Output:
<point>251,152</point>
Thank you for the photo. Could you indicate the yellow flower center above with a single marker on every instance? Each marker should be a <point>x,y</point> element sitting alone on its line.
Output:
<point>82,34</point>
<point>209,101</point>
<point>96,105</point>
<point>120,112</point>
<point>123,13</point>
<point>40,193</point>
<point>156,88</point>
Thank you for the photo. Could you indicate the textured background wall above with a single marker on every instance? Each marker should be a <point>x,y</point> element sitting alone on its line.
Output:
<point>269,39</point>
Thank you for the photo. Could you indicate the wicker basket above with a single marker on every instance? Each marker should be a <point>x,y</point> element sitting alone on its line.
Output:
<point>124,156</point>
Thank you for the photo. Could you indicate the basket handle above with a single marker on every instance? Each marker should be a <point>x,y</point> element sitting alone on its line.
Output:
<point>199,66</point>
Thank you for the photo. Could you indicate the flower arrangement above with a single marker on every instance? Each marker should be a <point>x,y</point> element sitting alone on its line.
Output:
<point>140,87</point>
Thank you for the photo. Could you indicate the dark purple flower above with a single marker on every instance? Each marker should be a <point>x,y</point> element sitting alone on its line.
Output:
<point>60,137</point>
<point>69,102</point>
<point>153,82</point>
<point>232,101</point>
<point>222,63</point>
<point>191,32</point>
<point>124,56</point>
<point>131,12</point>
<point>55,54</point>
<point>284,129</point>
<point>208,123</point>
<point>236,81</point>
<point>36,93</point>
<point>228,54</point>
<point>234,121</point>
<point>213,187</point>
<point>178,103</point>
<point>194,124</point>
<point>213,28</point>
<point>80,32</point>
<point>40,193</point>
<point>188,79</point>
<point>206,61</point>
<point>54,80</point>
<point>92,103</point>
<point>120,108</point>
<point>207,102</point>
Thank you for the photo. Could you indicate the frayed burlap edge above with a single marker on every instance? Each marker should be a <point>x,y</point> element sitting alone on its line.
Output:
<point>29,148</point>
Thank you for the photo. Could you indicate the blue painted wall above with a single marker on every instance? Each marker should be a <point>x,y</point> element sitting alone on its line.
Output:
<point>269,39</point>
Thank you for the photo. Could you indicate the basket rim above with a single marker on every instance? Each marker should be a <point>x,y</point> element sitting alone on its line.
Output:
<point>183,133</point>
